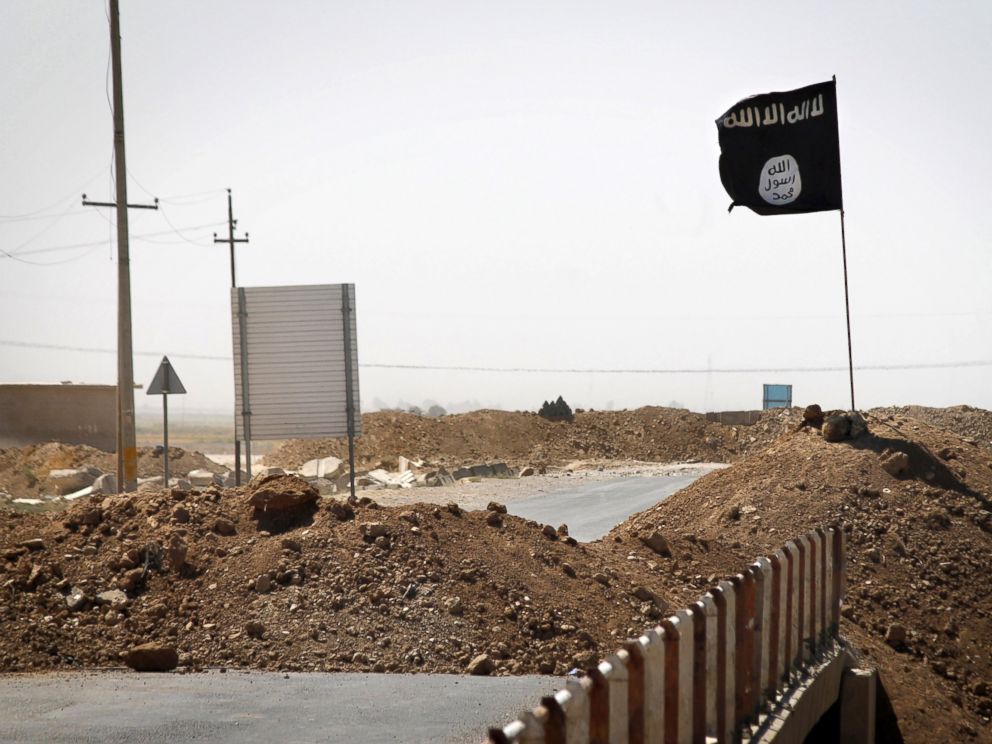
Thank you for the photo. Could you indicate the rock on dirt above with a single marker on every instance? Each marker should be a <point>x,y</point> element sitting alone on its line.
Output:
<point>281,493</point>
<point>895,463</point>
<point>481,666</point>
<point>152,657</point>
<point>657,543</point>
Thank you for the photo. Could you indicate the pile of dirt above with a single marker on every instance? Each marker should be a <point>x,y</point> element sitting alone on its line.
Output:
<point>919,553</point>
<point>24,470</point>
<point>965,421</point>
<point>649,434</point>
<point>772,424</point>
<point>269,576</point>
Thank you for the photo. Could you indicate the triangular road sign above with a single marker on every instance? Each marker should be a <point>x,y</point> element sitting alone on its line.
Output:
<point>166,381</point>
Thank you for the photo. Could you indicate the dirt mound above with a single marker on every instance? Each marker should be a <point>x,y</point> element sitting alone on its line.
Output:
<point>919,546</point>
<point>340,587</point>
<point>965,421</point>
<point>24,470</point>
<point>648,434</point>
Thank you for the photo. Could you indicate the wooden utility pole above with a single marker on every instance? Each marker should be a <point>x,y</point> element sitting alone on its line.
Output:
<point>127,451</point>
<point>231,240</point>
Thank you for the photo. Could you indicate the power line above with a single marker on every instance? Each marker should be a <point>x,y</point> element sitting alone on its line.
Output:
<point>684,371</point>
<point>549,370</point>
<point>143,236</point>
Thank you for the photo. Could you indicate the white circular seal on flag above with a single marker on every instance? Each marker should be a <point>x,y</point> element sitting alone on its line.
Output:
<point>780,182</point>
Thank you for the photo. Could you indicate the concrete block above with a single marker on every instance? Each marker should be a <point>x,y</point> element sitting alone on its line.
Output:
<point>200,478</point>
<point>501,470</point>
<point>70,480</point>
<point>105,485</point>
<point>857,706</point>
<point>324,486</point>
<point>228,480</point>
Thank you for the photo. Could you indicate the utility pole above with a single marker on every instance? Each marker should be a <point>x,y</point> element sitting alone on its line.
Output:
<point>127,451</point>
<point>231,240</point>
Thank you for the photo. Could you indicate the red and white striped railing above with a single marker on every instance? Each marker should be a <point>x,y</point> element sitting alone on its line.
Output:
<point>708,671</point>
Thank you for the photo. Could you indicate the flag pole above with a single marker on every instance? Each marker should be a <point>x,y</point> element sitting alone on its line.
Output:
<point>847,300</point>
<point>847,307</point>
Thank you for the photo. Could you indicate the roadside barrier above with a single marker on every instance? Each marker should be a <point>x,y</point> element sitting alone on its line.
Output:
<point>709,671</point>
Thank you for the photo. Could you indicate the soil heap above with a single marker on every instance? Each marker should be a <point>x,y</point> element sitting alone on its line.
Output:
<point>919,553</point>
<point>270,576</point>
<point>966,421</point>
<point>649,434</point>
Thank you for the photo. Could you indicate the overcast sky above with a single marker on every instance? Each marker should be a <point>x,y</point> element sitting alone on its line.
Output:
<point>508,184</point>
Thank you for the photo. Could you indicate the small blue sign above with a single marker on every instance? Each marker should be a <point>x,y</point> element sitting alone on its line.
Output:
<point>777,396</point>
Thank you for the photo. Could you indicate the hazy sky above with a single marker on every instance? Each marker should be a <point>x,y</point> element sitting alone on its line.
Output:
<point>508,184</point>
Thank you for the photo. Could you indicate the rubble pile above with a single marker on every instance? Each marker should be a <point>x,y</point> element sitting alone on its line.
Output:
<point>916,503</point>
<point>273,576</point>
<point>66,469</point>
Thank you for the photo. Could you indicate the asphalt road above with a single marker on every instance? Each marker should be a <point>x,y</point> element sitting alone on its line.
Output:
<point>592,509</point>
<point>238,708</point>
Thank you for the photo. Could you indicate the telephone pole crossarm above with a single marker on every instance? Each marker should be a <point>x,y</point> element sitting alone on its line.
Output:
<point>113,205</point>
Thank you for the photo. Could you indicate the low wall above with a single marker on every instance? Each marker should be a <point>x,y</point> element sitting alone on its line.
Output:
<point>73,414</point>
<point>712,671</point>
<point>734,418</point>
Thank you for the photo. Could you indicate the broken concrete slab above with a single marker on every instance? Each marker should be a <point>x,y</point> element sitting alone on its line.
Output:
<point>88,491</point>
<point>324,486</point>
<point>325,467</point>
<point>70,480</point>
<point>105,485</point>
<point>200,478</point>
<point>392,480</point>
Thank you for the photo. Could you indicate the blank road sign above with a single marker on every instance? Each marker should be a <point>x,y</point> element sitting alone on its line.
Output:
<point>295,361</point>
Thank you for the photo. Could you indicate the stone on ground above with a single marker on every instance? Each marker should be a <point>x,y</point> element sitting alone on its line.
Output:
<point>152,657</point>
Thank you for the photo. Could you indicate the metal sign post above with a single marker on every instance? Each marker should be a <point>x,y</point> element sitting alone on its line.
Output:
<point>165,383</point>
<point>349,387</point>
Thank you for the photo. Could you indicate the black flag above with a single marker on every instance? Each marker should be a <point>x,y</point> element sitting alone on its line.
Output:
<point>780,152</point>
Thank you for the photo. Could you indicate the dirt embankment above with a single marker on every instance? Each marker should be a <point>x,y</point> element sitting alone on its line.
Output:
<point>965,421</point>
<point>417,588</point>
<point>649,434</point>
<point>919,545</point>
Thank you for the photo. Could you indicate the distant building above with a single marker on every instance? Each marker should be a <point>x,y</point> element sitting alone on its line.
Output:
<point>32,413</point>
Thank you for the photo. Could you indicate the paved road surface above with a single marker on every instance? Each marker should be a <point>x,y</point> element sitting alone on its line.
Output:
<point>592,509</point>
<point>238,708</point>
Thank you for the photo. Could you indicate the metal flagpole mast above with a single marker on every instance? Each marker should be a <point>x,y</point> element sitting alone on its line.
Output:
<point>847,300</point>
<point>231,240</point>
<point>847,307</point>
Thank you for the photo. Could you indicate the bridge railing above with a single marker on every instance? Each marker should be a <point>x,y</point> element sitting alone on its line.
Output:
<point>708,671</point>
